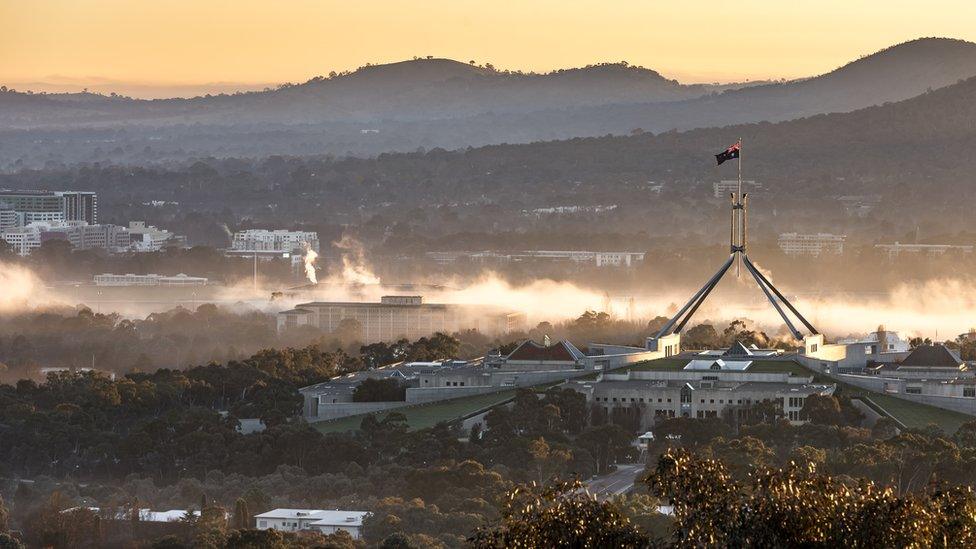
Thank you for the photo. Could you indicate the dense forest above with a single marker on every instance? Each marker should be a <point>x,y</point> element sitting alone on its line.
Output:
<point>156,440</point>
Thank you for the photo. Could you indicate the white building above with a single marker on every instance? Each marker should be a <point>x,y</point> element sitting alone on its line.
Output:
<point>724,188</point>
<point>795,244</point>
<point>23,240</point>
<point>896,249</point>
<point>327,522</point>
<point>147,238</point>
<point>881,341</point>
<point>148,280</point>
<point>275,241</point>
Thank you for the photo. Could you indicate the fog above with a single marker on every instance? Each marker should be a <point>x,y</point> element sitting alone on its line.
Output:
<point>938,308</point>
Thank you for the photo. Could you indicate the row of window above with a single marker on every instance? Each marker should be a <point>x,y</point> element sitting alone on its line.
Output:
<point>796,402</point>
<point>710,401</point>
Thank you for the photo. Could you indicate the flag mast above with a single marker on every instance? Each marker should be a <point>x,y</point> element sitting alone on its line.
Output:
<point>738,200</point>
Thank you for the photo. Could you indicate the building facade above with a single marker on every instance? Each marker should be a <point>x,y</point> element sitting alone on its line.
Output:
<point>148,280</point>
<point>795,244</point>
<point>320,520</point>
<point>395,317</point>
<point>263,240</point>
<point>699,393</point>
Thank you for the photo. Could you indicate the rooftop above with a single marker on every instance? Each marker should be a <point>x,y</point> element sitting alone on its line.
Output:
<point>318,517</point>
<point>560,351</point>
<point>932,356</point>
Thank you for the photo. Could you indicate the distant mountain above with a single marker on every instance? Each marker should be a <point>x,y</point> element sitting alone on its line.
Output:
<point>893,74</point>
<point>410,90</point>
<point>439,103</point>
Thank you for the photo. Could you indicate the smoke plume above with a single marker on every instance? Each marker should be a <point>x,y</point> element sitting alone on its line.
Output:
<point>310,256</point>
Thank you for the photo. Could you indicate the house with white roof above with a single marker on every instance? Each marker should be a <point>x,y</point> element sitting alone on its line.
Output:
<point>321,520</point>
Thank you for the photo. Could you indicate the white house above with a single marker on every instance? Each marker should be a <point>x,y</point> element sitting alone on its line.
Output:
<point>327,522</point>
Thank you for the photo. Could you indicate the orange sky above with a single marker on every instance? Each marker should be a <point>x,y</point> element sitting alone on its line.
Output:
<point>170,42</point>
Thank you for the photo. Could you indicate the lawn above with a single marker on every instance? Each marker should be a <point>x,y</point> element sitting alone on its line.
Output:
<point>656,365</point>
<point>422,416</point>
<point>913,415</point>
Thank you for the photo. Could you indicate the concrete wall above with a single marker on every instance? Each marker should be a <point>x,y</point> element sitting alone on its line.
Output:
<point>896,388</point>
<point>416,395</point>
<point>346,409</point>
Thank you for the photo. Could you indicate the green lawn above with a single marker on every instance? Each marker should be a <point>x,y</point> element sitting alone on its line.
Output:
<point>422,416</point>
<point>913,415</point>
<point>657,365</point>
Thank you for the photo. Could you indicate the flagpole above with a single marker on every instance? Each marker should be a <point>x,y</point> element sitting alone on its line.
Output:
<point>738,199</point>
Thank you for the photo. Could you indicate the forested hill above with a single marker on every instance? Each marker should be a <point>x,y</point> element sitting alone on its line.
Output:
<point>918,149</point>
<point>431,103</point>
<point>407,90</point>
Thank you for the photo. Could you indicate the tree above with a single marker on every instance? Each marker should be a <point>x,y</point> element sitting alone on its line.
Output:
<point>560,515</point>
<point>242,517</point>
<point>822,410</point>
<point>379,390</point>
<point>4,517</point>
<point>797,507</point>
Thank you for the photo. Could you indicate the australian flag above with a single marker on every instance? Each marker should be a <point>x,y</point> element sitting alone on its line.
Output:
<point>729,153</point>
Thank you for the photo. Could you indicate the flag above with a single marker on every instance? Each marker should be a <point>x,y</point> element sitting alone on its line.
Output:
<point>729,153</point>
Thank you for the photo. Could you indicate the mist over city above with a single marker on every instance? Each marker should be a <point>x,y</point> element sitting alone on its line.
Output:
<point>437,274</point>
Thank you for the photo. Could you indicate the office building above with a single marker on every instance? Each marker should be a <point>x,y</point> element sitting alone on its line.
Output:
<point>722,389</point>
<point>795,244</point>
<point>148,238</point>
<point>79,206</point>
<point>896,249</point>
<point>726,187</point>
<point>262,240</point>
<point>395,317</point>
<point>148,280</point>
<point>52,205</point>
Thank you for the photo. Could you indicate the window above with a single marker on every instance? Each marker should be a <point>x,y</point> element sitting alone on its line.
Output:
<point>913,390</point>
<point>969,391</point>
<point>813,348</point>
<point>462,384</point>
<point>262,524</point>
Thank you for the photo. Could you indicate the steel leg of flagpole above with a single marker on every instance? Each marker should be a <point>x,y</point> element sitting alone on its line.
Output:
<point>783,298</point>
<point>752,270</point>
<point>691,312</point>
<point>706,288</point>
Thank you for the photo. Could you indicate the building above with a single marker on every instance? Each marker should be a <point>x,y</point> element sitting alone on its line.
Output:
<point>880,341</point>
<point>262,240</point>
<point>8,218</point>
<point>321,520</point>
<point>719,389</point>
<point>896,249</point>
<point>148,280</point>
<point>52,205</point>
<point>32,202</point>
<point>79,234</point>
<point>925,362</point>
<point>395,317</point>
<point>147,238</point>
<point>726,187</point>
<point>795,244</point>
<point>574,257</point>
<point>98,237</point>
<point>528,364</point>
<point>79,206</point>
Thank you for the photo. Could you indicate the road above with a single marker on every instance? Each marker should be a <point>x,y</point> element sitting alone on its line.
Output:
<point>617,482</point>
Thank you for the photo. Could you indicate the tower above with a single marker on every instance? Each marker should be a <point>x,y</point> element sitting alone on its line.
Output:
<point>738,243</point>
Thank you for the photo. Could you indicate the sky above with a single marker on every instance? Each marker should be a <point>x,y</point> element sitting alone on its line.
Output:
<point>159,47</point>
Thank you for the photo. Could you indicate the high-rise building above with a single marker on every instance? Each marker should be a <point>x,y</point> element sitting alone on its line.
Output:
<point>79,206</point>
<point>50,206</point>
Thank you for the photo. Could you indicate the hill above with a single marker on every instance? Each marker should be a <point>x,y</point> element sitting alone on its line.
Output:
<point>410,90</point>
<point>435,103</point>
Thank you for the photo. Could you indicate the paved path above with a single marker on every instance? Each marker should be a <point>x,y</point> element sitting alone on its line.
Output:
<point>617,482</point>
